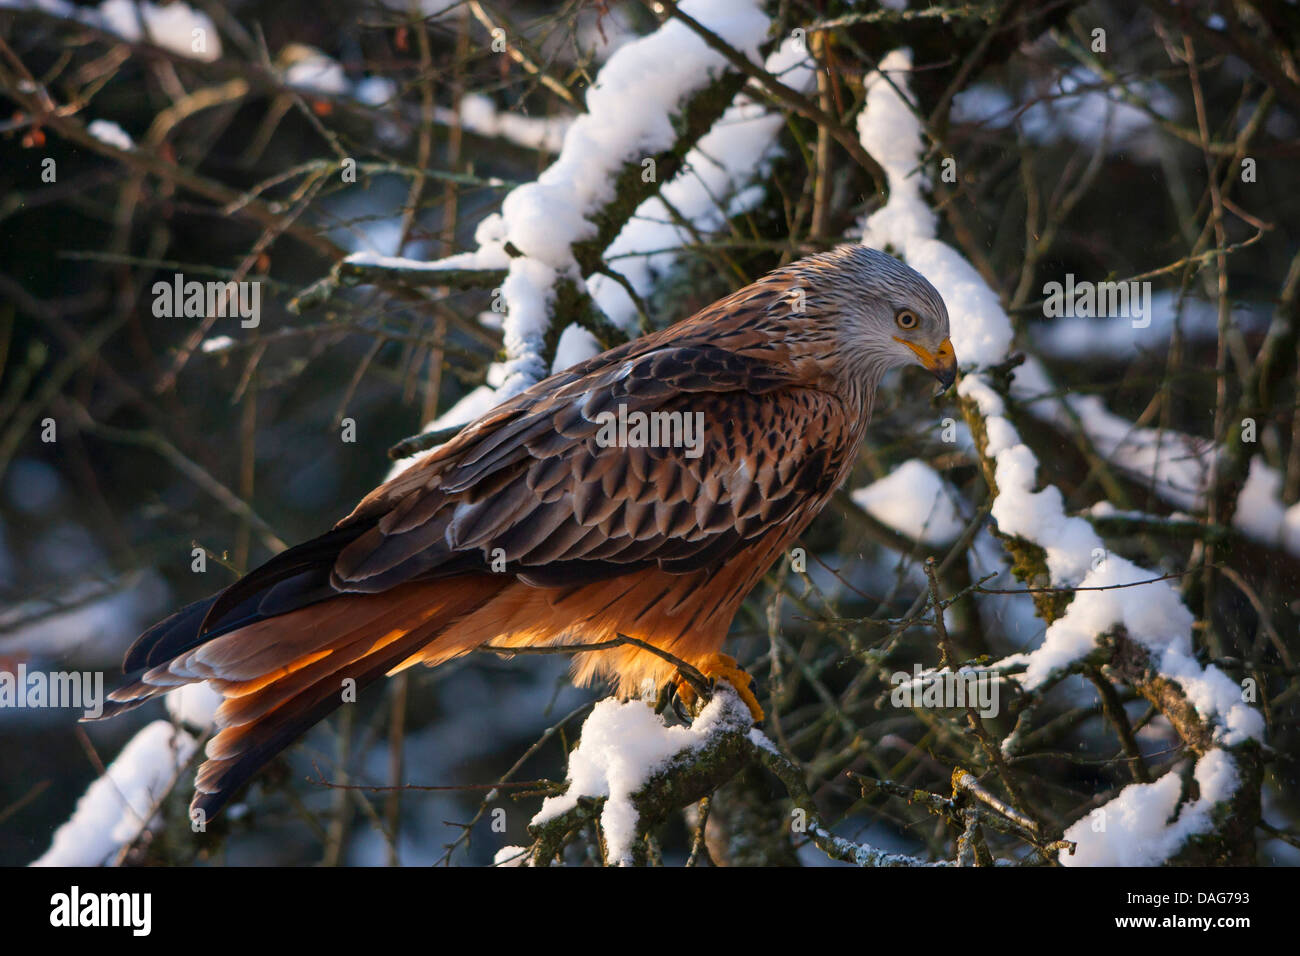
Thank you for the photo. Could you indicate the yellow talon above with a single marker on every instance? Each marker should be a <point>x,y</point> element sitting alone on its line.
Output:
<point>718,667</point>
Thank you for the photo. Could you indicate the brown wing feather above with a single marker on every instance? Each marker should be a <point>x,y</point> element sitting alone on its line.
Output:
<point>558,505</point>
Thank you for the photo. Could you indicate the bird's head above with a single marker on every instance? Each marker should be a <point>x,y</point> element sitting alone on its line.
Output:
<point>886,314</point>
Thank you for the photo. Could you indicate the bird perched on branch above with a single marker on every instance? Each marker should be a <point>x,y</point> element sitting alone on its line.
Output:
<point>541,523</point>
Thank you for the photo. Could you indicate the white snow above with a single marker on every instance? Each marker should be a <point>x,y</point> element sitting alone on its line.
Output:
<point>710,188</point>
<point>374,90</point>
<point>1260,512</point>
<point>576,345</point>
<point>176,27</point>
<point>479,114</point>
<point>120,804</point>
<point>194,704</point>
<point>511,856</point>
<point>495,259</point>
<point>216,343</point>
<point>106,131</point>
<point>1039,516</point>
<point>117,807</point>
<point>625,742</point>
<point>1072,107</point>
<point>629,113</point>
<point>529,290</point>
<point>1115,337</point>
<point>1131,830</point>
<point>1076,555</point>
<point>313,71</point>
<point>1178,467</point>
<point>1156,617</point>
<point>913,500</point>
<point>906,225</point>
<point>629,117</point>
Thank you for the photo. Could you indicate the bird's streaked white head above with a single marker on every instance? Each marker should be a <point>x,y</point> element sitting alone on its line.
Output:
<point>887,313</point>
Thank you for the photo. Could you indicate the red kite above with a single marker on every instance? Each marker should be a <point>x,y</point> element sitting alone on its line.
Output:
<point>641,493</point>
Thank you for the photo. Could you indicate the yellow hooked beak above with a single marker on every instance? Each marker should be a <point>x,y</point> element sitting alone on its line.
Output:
<point>941,363</point>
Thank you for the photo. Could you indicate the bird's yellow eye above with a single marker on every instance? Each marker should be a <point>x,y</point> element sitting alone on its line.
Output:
<point>906,319</point>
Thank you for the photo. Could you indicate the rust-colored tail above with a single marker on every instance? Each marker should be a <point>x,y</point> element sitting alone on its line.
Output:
<point>282,672</point>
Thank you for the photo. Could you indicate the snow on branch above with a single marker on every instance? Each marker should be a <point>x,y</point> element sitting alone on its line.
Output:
<point>175,27</point>
<point>124,803</point>
<point>1182,469</point>
<point>914,501</point>
<point>1048,545</point>
<point>651,103</point>
<point>720,179</point>
<point>630,771</point>
<point>599,209</point>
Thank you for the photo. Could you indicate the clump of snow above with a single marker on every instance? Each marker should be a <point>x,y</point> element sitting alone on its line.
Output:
<point>122,803</point>
<point>374,90</point>
<point>913,500</point>
<point>194,704</point>
<point>311,70</point>
<point>1178,467</point>
<point>630,111</point>
<point>629,116</point>
<point>511,856</point>
<point>891,133</point>
<point>1152,611</point>
<point>1261,513</point>
<point>1155,616</point>
<point>1132,829</point>
<point>216,343</point>
<point>1075,107</point>
<point>106,131</point>
<point>576,345</point>
<point>479,114</point>
<point>487,259</point>
<point>529,290</point>
<point>709,189</point>
<point>1115,336</point>
<point>1076,556</point>
<point>623,744</point>
<point>1070,543</point>
<point>176,26</point>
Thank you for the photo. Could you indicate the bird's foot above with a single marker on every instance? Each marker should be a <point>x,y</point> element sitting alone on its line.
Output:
<point>718,667</point>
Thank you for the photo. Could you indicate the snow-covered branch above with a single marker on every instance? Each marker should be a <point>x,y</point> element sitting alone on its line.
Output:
<point>1048,545</point>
